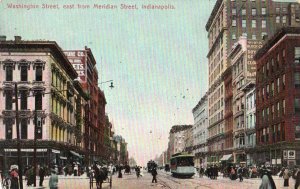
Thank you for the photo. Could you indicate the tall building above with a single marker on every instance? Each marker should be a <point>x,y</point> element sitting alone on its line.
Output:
<point>200,132</point>
<point>230,19</point>
<point>51,104</point>
<point>278,99</point>
<point>84,63</point>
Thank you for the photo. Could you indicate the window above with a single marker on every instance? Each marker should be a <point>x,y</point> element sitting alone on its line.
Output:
<point>297,55</point>
<point>277,9</point>
<point>23,99</point>
<point>264,35</point>
<point>233,11</point>
<point>243,11</point>
<point>277,86</point>
<point>39,128</point>
<point>297,131</point>
<point>38,101</point>
<point>24,128</point>
<point>244,23</point>
<point>244,35</point>
<point>254,36</point>
<point>263,24</point>
<point>297,105</point>
<point>233,36</point>
<point>297,79</point>
<point>39,73</point>
<point>283,81</point>
<point>284,19</point>
<point>277,19</point>
<point>24,73</point>
<point>8,100</point>
<point>263,11</point>
<point>9,73</point>
<point>8,132</point>
<point>233,23</point>
<point>253,12</point>
<point>253,23</point>
<point>283,107</point>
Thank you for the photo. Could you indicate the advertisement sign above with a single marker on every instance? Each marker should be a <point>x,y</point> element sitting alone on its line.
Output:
<point>78,61</point>
<point>252,47</point>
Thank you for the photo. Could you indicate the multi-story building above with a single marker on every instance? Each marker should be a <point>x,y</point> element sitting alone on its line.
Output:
<point>277,99</point>
<point>228,117</point>
<point>228,21</point>
<point>200,132</point>
<point>84,63</point>
<point>50,103</point>
<point>250,119</point>
<point>177,139</point>
<point>243,73</point>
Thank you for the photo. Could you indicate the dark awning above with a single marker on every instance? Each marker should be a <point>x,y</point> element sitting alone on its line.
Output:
<point>76,154</point>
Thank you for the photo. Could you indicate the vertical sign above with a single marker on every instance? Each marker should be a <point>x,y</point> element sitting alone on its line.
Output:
<point>252,47</point>
<point>78,61</point>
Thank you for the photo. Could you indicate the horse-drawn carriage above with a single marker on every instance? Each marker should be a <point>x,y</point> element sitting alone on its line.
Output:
<point>127,170</point>
<point>100,175</point>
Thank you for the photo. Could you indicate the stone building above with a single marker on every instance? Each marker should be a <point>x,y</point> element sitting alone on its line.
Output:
<point>200,132</point>
<point>51,104</point>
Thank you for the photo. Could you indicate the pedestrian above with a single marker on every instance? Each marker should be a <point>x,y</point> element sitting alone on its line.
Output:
<point>286,177</point>
<point>297,182</point>
<point>75,169</point>
<point>154,173</point>
<point>30,176</point>
<point>120,172</point>
<point>14,179</point>
<point>240,173</point>
<point>53,181</point>
<point>42,175</point>
<point>267,181</point>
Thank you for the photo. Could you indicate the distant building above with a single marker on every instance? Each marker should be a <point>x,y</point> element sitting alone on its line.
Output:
<point>200,132</point>
<point>177,139</point>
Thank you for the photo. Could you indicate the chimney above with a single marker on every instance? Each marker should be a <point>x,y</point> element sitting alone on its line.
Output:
<point>2,38</point>
<point>18,38</point>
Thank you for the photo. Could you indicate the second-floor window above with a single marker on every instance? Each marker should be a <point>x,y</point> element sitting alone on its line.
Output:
<point>24,129</point>
<point>38,101</point>
<point>8,100</point>
<point>8,131</point>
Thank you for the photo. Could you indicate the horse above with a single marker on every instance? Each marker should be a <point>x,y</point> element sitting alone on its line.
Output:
<point>100,175</point>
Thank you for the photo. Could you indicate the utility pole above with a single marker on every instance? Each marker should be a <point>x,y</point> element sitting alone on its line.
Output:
<point>18,138</point>
<point>34,148</point>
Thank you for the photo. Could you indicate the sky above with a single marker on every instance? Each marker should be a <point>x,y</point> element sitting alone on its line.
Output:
<point>156,59</point>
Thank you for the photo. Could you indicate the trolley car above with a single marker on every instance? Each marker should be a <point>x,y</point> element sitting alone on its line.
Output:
<point>182,165</point>
<point>150,165</point>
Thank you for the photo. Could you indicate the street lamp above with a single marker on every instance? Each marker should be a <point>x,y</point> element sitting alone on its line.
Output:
<point>111,83</point>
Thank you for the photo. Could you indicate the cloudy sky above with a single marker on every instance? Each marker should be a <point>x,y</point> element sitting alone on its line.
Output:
<point>156,58</point>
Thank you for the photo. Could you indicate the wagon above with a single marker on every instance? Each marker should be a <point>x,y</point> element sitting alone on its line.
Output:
<point>107,180</point>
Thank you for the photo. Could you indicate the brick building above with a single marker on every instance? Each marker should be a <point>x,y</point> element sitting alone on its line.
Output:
<point>277,99</point>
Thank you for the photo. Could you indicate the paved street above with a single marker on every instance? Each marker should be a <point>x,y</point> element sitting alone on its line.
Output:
<point>166,181</point>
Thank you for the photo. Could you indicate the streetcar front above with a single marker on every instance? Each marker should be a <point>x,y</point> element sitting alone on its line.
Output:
<point>182,165</point>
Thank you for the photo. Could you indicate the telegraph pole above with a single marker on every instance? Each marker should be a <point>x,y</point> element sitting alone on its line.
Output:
<point>18,138</point>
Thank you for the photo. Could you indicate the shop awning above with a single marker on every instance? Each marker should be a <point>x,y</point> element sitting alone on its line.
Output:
<point>76,154</point>
<point>226,157</point>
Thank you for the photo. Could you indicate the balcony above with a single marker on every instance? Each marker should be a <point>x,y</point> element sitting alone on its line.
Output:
<point>8,113</point>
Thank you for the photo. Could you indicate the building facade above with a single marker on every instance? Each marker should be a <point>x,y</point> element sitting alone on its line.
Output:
<point>257,20</point>
<point>50,103</point>
<point>200,132</point>
<point>277,99</point>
